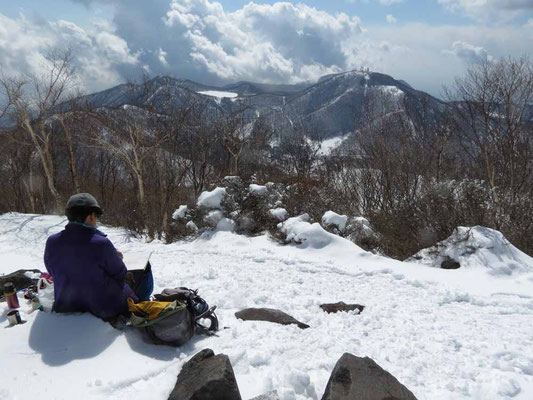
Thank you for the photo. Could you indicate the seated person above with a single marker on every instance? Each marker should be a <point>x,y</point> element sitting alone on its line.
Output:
<point>88,271</point>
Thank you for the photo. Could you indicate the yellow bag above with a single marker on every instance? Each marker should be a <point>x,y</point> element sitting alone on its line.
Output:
<point>151,309</point>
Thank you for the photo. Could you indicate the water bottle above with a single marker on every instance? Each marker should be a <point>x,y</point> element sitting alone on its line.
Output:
<point>11,295</point>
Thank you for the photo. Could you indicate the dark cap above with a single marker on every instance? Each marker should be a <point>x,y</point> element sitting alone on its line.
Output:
<point>83,200</point>
<point>9,288</point>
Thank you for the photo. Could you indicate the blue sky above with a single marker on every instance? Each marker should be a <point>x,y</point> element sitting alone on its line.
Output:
<point>426,43</point>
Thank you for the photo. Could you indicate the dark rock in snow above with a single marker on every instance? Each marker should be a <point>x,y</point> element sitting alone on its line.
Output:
<point>341,306</point>
<point>270,315</point>
<point>19,279</point>
<point>450,264</point>
<point>268,396</point>
<point>206,377</point>
<point>361,378</point>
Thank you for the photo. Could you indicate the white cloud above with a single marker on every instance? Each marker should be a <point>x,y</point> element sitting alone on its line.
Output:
<point>469,53</point>
<point>390,19</point>
<point>382,2</point>
<point>280,42</point>
<point>489,10</point>
<point>98,55</point>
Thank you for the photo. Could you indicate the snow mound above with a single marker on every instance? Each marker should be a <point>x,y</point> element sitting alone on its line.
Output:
<point>180,212</point>
<point>477,247</point>
<point>299,230</point>
<point>257,190</point>
<point>279,213</point>
<point>332,218</point>
<point>212,199</point>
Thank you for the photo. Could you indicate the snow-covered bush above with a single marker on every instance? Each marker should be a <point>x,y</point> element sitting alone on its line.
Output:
<point>476,247</point>
<point>332,220</point>
<point>236,206</point>
<point>360,231</point>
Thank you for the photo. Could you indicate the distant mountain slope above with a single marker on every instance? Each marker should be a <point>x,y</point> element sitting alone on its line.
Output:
<point>331,107</point>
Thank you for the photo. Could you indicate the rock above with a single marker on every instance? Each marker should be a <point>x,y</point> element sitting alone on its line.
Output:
<point>206,377</point>
<point>450,263</point>
<point>19,279</point>
<point>361,378</point>
<point>341,306</point>
<point>268,396</point>
<point>270,315</point>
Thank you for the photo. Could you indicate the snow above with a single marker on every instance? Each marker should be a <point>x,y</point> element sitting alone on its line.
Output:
<point>258,190</point>
<point>328,145</point>
<point>478,247</point>
<point>180,212</point>
<point>332,218</point>
<point>279,213</point>
<point>299,230</point>
<point>219,94</point>
<point>461,334</point>
<point>212,199</point>
<point>192,226</point>
<point>392,90</point>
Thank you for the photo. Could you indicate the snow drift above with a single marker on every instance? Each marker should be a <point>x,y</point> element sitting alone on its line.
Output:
<point>477,247</point>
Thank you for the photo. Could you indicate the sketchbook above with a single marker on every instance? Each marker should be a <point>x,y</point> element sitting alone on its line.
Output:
<point>137,260</point>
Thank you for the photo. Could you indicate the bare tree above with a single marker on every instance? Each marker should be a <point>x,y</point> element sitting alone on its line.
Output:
<point>32,99</point>
<point>493,119</point>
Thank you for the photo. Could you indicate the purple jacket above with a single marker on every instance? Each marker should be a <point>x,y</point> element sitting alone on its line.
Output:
<point>88,273</point>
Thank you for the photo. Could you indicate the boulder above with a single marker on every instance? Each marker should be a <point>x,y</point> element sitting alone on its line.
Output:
<point>450,263</point>
<point>341,306</point>
<point>268,396</point>
<point>270,315</point>
<point>361,378</point>
<point>19,279</point>
<point>206,377</point>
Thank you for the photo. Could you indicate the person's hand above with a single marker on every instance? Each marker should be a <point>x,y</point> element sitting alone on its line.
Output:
<point>120,254</point>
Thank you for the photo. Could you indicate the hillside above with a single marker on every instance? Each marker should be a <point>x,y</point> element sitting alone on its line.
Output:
<point>329,108</point>
<point>462,334</point>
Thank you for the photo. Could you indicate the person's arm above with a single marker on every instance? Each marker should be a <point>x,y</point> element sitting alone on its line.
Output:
<point>112,263</point>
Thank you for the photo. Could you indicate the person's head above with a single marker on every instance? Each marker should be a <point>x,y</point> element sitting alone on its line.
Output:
<point>83,208</point>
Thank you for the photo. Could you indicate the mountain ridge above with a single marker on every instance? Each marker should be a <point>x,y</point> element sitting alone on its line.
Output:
<point>327,108</point>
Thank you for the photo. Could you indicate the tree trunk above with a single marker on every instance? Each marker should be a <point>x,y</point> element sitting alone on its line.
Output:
<point>46,161</point>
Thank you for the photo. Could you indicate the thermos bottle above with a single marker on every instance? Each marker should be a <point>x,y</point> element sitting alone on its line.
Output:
<point>11,295</point>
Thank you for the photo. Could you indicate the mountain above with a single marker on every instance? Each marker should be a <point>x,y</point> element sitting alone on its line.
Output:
<point>328,108</point>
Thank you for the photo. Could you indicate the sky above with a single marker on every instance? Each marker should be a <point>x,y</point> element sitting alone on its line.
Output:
<point>425,42</point>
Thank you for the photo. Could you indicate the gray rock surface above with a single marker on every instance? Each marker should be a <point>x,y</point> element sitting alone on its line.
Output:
<point>206,377</point>
<point>341,306</point>
<point>361,378</point>
<point>450,264</point>
<point>270,315</point>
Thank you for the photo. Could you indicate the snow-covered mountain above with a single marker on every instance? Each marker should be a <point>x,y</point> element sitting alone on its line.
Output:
<point>329,108</point>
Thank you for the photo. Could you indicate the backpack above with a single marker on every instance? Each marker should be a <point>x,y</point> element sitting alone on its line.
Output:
<point>175,317</point>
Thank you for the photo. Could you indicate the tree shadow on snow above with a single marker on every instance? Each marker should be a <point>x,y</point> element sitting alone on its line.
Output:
<point>62,338</point>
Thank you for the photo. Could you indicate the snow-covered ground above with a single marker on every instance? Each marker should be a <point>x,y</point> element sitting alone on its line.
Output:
<point>459,334</point>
